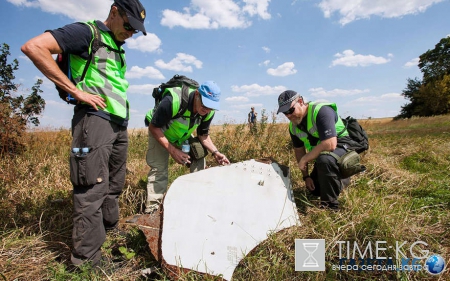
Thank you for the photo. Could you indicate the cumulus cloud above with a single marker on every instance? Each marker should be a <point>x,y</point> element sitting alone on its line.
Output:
<point>237,99</point>
<point>265,63</point>
<point>214,14</point>
<point>85,9</point>
<point>266,49</point>
<point>150,43</point>
<point>285,69</point>
<point>255,90</point>
<point>351,10</point>
<point>322,93</point>
<point>411,63</point>
<point>137,72</point>
<point>182,62</point>
<point>349,58</point>
<point>145,89</point>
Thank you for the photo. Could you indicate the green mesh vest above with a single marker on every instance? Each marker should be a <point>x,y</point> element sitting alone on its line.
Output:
<point>179,129</point>
<point>313,110</point>
<point>105,75</point>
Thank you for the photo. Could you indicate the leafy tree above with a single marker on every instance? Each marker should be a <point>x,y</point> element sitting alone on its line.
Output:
<point>410,92</point>
<point>16,111</point>
<point>431,95</point>
<point>435,63</point>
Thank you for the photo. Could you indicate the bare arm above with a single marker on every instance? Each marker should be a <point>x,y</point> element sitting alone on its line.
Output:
<point>207,142</point>
<point>179,156</point>
<point>40,49</point>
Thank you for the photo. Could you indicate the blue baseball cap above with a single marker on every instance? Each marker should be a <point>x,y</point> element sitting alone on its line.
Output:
<point>210,94</point>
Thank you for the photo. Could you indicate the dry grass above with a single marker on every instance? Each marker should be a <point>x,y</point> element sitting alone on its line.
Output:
<point>404,196</point>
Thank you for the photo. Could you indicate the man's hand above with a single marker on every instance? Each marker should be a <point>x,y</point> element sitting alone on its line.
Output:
<point>309,183</point>
<point>179,156</point>
<point>95,101</point>
<point>221,159</point>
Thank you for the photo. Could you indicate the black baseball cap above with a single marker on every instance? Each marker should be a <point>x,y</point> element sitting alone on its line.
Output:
<point>135,13</point>
<point>285,99</point>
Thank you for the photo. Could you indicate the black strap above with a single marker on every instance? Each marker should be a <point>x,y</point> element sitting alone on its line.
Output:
<point>97,43</point>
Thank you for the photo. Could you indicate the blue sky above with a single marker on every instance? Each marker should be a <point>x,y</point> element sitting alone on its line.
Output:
<point>356,53</point>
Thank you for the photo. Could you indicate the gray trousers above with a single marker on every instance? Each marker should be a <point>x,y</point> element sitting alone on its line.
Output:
<point>158,176</point>
<point>98,179</point>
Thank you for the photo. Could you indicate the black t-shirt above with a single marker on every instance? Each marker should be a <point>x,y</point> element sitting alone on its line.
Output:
<point>163,114</point>
<point>75,39</point>
<point>326,127</point>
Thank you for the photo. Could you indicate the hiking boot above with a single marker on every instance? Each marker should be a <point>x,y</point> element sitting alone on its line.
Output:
<point>345,183</point>
<point>151,209</point>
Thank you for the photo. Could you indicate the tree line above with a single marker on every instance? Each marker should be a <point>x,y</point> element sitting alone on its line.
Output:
<point>430,95</point>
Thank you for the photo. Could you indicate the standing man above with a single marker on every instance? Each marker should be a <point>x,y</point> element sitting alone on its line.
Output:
<point>100,118</point>
<point>166,135</point>
<point>252,119</point>
<point>314,130</point>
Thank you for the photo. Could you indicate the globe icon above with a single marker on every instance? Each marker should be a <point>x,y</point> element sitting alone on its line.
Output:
<point>435,264</point>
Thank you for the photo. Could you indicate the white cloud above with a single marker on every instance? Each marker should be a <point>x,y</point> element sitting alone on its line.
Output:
<point>182,62</point>
<point>257,7</point>
<point>150,43</point>
<point>411,63</point>
<point>370,100</point>
<point>237,99</point>
<point>149,71</point>
<point>349,58</point>
<point>145,89</point>
<point>351,10</point>
<point>247,105</point>
<point>255,90</point>
<point>322,93</point>
<point>85,9</point>
<point>214,14</point>
<point>266,49</point>
<point>285,69</point>
<point>266,63</point>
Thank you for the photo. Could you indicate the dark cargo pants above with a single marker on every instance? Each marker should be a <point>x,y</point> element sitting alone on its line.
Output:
<point>327,179</point>
<point>98,179</point>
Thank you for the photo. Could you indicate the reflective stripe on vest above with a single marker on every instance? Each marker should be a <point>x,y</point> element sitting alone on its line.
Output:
<point>177,130</point>
<point>105,76</point>
<point>313,110</point>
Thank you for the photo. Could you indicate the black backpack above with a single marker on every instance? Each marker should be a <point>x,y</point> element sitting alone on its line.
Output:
<point>176,81</point>
<point>63,61</point>
<point>359,139</point>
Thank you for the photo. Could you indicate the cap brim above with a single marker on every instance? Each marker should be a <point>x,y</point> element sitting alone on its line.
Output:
<point>210,104</point>
<point>284,108</point>
<point>136,24</point>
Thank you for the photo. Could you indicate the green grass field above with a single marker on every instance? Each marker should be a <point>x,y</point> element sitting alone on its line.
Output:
<point>403,196</point>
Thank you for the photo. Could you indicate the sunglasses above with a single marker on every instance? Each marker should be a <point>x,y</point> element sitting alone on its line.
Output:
<point>127,26</point>
<point>290,110</point>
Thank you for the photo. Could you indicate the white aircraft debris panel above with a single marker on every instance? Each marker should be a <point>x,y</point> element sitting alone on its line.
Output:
<point>214,217</point>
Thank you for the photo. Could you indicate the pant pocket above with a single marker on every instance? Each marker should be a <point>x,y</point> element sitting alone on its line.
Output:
<point>85,169</point>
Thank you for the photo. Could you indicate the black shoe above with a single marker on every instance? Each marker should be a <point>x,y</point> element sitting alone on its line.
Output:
<point>329,206</point>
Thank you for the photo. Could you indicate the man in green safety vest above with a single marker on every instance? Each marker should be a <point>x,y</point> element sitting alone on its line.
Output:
<point>313,130</point>
<point>99,125</point>
<point>167,134</point>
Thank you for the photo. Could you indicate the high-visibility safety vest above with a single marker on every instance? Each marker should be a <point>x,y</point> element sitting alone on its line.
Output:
<point>105,75</point>
<point>180,129</point>
<point>311,127</point>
